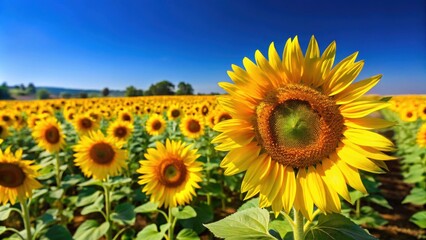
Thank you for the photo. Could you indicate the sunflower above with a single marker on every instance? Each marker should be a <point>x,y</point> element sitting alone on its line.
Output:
<point>120,130</point>
<point>221,116</point>
<point>192,126</point>
<point>4,132</point>
<point>299,130</point>
<point>421,136</point>
<point>17,177</point>
<point>171,173</point>
<point>408,114</point>
<point>84,123</point>
<point>174,112</point>
<point>99,156</point>
<point>49,135</point>
<point>7,118</point>
<point>126,116</point>
<point>155,125</point>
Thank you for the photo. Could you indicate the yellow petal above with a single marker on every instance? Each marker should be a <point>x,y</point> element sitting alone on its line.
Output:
<point>303,201</point>
<point>345,78</point>
<point>356,159</point>
<point>361,109</point>
<point>332,199</point>
<point>368,123</point>
<point>369,152</point>
<point>289,189</point>
<point>335,178</point>
<point>369,139</point>
<point>351,174</point>
<point>357,89</point>
<point>316,189</point>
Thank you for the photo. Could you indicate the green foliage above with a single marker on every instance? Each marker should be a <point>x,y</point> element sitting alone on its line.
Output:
<point>419,219</point>
<point>335,226</point>
<point>150,232</point>
<point>4,92</point>
<point>105,92</point>
<point>251,223</point>
<point>161,88</point>
<point>43,94</point>
<point>91,230</point>
<point>131,91</point>
<point>184,89</point>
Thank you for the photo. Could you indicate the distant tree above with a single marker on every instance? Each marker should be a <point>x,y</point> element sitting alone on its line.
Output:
<point>31,89</point>
<point>184,89</point>
<point>4,92</point>
<point>43,94</point>
<point>105,92</point>
<point>22,87</point>
<point>65,95</point>
<point>161,88</point>
<point>131,91</point>
<point>83,95</point>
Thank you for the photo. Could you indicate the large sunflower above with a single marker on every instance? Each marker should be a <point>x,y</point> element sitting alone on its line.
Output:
<point>17,177</point>
<point>171,173</point>
<point>99,156</point>
<point>298,128</point>
<point>192,126</point>
<point>120,130</point>
<point>155,125</point>
<point>49,135</point>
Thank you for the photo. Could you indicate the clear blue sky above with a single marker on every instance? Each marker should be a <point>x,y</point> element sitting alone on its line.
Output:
<point>96,44</point>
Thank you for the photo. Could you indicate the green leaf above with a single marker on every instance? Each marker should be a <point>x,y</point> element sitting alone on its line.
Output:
<point>124,214</point>
<point>187,234</point>
<point>91,182</point>
<point>38,193</point>
<point>204,215</point>
<point>147,208</point>
<point>150,232</point>
<point>254,202</point>
<point>282,227</point>
<point>97,206</point>
<point>355,195</point>
<point>385,99</point>
<point>185,213</point>
<point>369,217</point>
<point>251,223</point>
<point>335,226</point>
<point>87,197</point>
<point>419,219</point>
<point>2,229</point>
<point>5,211</point>
<point>91,230</point>
<point>417,196</point>
<point>57,232</point>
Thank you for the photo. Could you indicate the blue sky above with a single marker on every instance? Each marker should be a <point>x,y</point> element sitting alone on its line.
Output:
<point>96,44</point>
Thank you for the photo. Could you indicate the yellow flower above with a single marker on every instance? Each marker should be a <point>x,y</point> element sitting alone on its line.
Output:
<point>155,125</point>
<point>408,114</point>
<point>4,131</point>
<point>17,177</point>
<point>298,128</point>
<point>126,116</point>
<point>84,124</point>
<point>174,112</point>
<point>99,156</point>
<point>120,130</point>
<point>49,135</point>
<point>421,136</point>
<point>192,126</point>
<point>171,173</point>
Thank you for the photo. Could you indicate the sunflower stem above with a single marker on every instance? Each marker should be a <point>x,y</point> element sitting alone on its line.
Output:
<point>172,224</point>
<point>58,185</point>
<point>208,181</point>
<point>108,210</point>
<point>358,208</point>
<point>298,225</point>
<point>288,218</point>
<point>26,217</point>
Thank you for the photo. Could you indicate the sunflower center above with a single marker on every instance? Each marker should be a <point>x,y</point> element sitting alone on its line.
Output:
<point>204,110</point>
<point>86,123</point>
<point>194,126</point>
<point>175,113</point>
<point>6,118</point>
<point>1,129</point>
<point>126,117</point>
<point>172,173</point>
<point>120,132</point>
<point>52,135</point>
<point>298,126</point>
<point>156,125</point>
<point>223,117</point>
<point>102,153</point>
<point>11,175</point>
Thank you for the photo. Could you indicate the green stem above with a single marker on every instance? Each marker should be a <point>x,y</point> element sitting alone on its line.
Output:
<point>108,210</point>
<point>120,232</point>
<point>298,225</point>
<point>58,185</point>
<point>15,231</point>
<point>208,181</point>
<point>26,217</point>
<point>308,223</point>
<point>288,218</point>
<point>172,227</point>
<point>358,208</point>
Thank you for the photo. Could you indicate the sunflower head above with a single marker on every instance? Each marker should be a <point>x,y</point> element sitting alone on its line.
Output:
<point>4,132</point>
<point>155,125</point>
<point>174,112</point>
<point>192,126</point>
<point>99,156</point>
<point>85,124</point>
<point>170,173</point>
<point>17,177</point>
<point>125,116</point>
<point>49,135</point>
<point>120,130</point>
<point>298,128</point>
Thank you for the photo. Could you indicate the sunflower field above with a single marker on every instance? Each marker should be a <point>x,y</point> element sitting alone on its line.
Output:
<point>295,150</point>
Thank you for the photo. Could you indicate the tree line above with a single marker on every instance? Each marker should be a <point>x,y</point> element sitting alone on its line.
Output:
<point>161,88</point>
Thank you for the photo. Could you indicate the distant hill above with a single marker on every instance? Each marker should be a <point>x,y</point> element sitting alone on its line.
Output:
<point>58,90</point>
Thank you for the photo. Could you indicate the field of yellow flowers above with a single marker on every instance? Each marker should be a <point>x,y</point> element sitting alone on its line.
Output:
<point>72,197</point>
